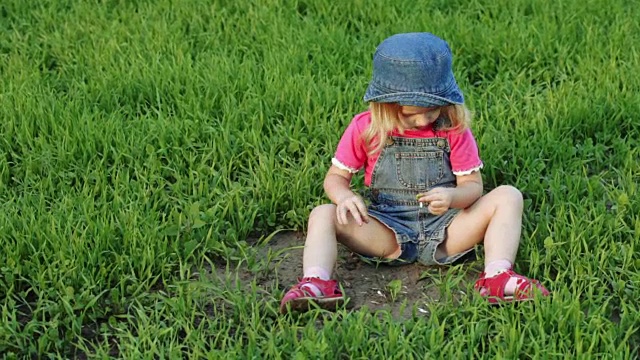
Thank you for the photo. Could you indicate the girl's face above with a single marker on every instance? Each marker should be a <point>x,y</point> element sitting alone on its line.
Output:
<point>416,117</point>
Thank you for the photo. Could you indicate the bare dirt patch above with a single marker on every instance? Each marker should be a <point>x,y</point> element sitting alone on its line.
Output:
<point>365,285</point>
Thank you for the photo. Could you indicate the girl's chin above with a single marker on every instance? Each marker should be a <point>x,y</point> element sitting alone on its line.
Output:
<point>418,128</point>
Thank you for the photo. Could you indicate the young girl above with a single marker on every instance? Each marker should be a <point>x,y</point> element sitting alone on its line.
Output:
<point>422,168</point>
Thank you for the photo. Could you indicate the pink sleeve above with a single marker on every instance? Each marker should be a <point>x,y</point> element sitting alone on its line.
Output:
<point>351,154</point>
<point>464,153</point>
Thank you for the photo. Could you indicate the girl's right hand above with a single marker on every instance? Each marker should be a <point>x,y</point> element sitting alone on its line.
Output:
<point>355,205</point>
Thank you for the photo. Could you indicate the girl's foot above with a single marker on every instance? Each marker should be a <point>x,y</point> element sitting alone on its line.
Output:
<point>324,293</point>
<point>492,288</point>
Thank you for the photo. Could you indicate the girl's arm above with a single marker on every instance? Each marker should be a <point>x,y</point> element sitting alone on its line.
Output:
<point>337,186</point>
<point>468,190</point>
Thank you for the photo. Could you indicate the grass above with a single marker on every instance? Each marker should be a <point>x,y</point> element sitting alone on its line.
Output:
<point>144,142</point>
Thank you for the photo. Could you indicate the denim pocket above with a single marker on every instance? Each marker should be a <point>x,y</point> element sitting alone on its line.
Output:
<point>378,207</point>
<point>419,170</point>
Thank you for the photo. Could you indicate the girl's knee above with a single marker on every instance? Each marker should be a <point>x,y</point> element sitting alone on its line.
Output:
<point>507,194</point>
<point>324,212</point>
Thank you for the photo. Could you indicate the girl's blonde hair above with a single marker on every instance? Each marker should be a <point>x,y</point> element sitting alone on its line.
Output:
<point>384,119</point>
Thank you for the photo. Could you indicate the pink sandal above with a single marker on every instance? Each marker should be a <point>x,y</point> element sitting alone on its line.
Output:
<point>493,288</point>
<point>301,295</point>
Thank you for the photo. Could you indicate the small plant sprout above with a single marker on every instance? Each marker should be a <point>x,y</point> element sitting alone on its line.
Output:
<point>393,288</point>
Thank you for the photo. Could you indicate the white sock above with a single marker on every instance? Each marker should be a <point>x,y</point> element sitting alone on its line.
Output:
<point>318,272</point>
<point>493,268</point>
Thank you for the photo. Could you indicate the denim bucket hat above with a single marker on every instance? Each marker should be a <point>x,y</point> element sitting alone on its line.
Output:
<point>413,69</point>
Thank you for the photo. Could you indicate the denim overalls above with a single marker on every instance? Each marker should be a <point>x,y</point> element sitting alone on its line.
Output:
<point>405,168</point>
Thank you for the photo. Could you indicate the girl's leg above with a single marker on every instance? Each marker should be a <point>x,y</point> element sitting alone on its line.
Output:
<point>324,232</point>
<point>496,218</point>
<point>320,253</point>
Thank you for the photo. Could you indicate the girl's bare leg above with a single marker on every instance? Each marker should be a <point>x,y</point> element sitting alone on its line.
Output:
<point>324,232</point>
<point>496,217</point>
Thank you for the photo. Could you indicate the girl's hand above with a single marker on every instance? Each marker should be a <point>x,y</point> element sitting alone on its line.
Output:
<point>352,204</point>
<point>439,199</point>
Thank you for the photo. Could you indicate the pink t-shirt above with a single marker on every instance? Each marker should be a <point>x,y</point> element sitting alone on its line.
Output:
<point>351,154</point>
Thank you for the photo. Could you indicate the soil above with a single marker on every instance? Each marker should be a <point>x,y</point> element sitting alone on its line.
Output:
<point>393,288</point>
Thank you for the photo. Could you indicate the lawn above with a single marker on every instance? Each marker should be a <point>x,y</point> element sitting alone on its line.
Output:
<point>159,159</point>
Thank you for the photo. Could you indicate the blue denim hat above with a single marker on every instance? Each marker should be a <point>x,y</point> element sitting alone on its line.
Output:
<point>413,69</point>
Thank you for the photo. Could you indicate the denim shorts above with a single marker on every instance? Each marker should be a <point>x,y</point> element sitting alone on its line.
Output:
<point>418,235</point>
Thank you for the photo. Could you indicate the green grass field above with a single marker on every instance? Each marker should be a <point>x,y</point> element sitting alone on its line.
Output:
<point>142,143</point>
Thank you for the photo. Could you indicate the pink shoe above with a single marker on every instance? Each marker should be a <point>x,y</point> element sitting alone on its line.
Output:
<point>301,295</point>
<point>493,288</point>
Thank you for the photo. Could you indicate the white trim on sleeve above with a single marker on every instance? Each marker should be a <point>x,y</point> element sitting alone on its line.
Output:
<point>468,172</point>
<point>342,166</point>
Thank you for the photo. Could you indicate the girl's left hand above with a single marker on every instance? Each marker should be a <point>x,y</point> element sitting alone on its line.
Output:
<point>439,199</point>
